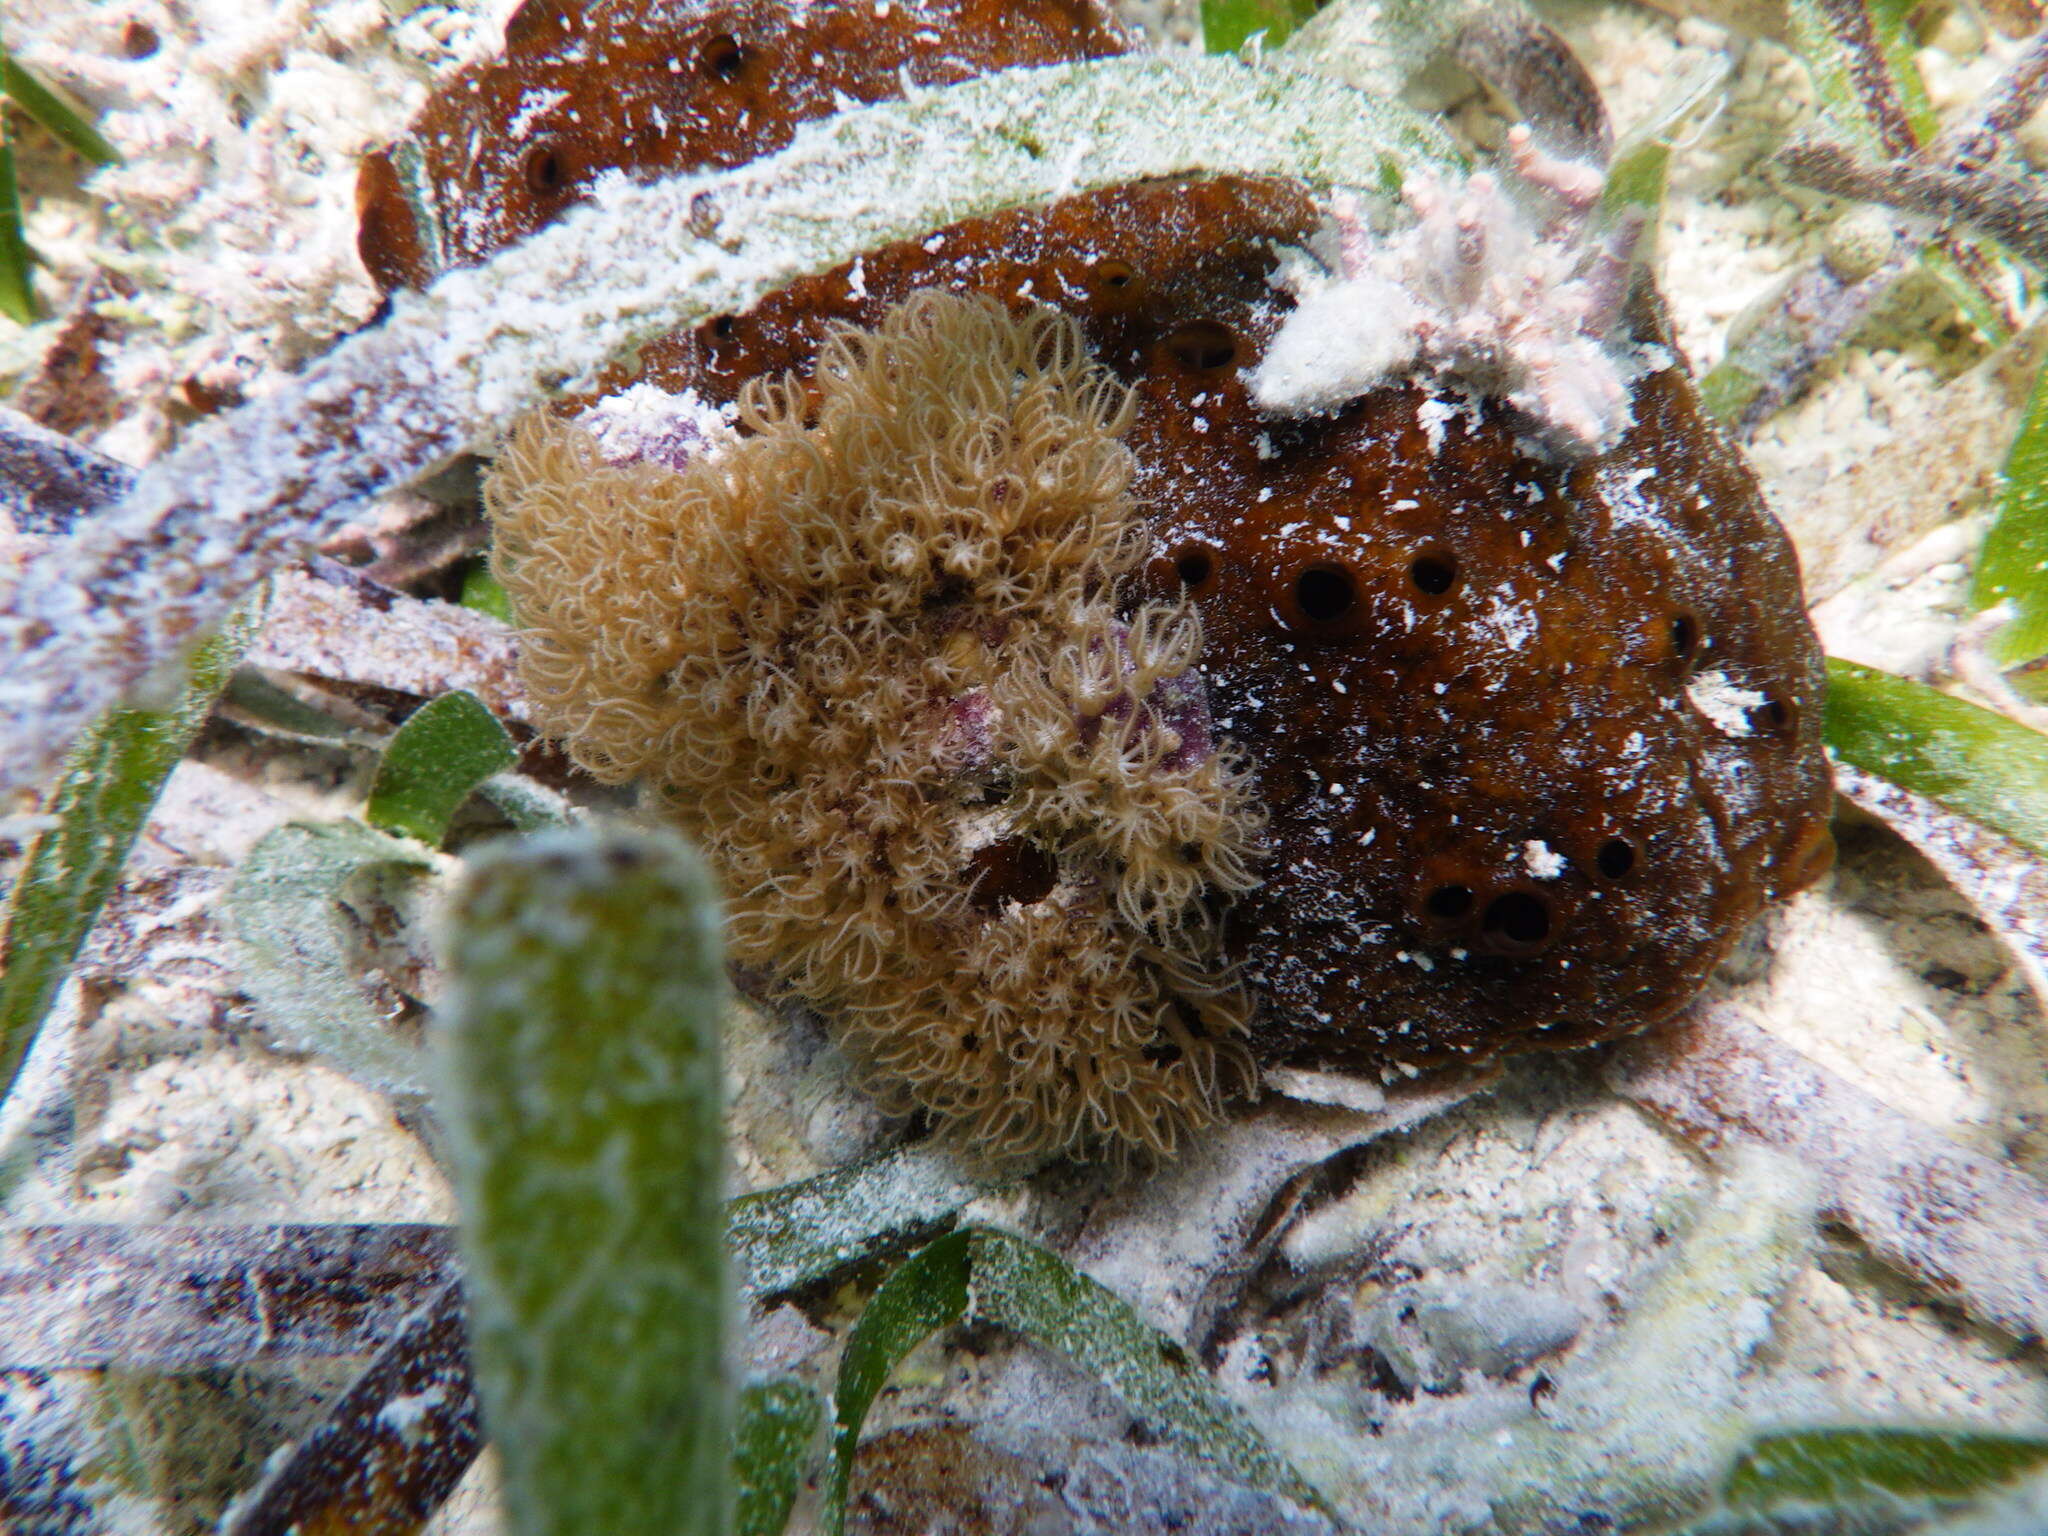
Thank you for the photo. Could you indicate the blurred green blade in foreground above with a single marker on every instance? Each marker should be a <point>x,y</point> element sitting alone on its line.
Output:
<point>582,1090</point>
<point>110,783</point>
<point>1979,764</point>
<point>777,1419</point>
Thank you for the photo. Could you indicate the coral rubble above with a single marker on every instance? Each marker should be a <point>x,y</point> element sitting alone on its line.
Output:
<point>877,656</point>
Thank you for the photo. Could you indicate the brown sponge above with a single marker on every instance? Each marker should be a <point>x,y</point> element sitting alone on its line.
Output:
<point>1536,737</point>
<point>650,87</point>
<point>883,657</point>
<point>1534,726</point>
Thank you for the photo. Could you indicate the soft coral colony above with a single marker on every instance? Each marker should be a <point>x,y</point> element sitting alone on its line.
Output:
<point>1226,625</point>
<point>871,656</point>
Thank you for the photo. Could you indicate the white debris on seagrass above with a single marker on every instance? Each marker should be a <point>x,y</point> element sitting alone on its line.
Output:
<point>1380,45</point>
<point>452,367</point>
<point>819,1227</point>
<point>1473,294</point>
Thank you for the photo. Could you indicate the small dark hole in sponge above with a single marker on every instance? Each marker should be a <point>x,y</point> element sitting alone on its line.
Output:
<point>1449,901</point>
<point>1203,345</point>
<point>1326,593</point>
<point>1195,566</point>
<point>1685,636</point>
<point>1615,858</point>
<point>723,57</point>
<point>1773,717</point>
<point>723,327</point>
<point>1115,274</point>
<point>546,170</point>
<point>1010,870</point>
<point>1517,922</point>
<point>1433,575</point>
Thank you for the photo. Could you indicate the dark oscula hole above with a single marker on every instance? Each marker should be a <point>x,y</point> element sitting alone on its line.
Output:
<point>546,170</point>
<point>723,326</point>
<point>1320,750</point>
<point>1195,566</point>
<point>1325,593</point>
<point>723,57</point>
<point>1433,575</point>
<point>1685,636</point>
<point>1010,870</point>
<point>1115,274</point>
<point>970,1043</point>
<point>1615,858</point>
<point>1517,921</point>
<point>1449,901</point>
<point>1773,717</point>
<point>1203,345</point>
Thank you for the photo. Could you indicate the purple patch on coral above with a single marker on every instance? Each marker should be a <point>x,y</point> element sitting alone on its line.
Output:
<point>1179,702</point>
<point>967,742</point>
<point>1182,704</point>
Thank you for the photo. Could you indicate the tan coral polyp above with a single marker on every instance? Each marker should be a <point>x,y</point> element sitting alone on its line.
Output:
<point>851,650</point>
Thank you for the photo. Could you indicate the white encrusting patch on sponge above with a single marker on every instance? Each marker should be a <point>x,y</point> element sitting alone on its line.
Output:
<point>1473,294</point>
<point>1724,703</point>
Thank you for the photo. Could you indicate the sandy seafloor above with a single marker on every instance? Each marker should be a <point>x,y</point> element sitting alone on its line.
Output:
<point>1540,1219</point>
